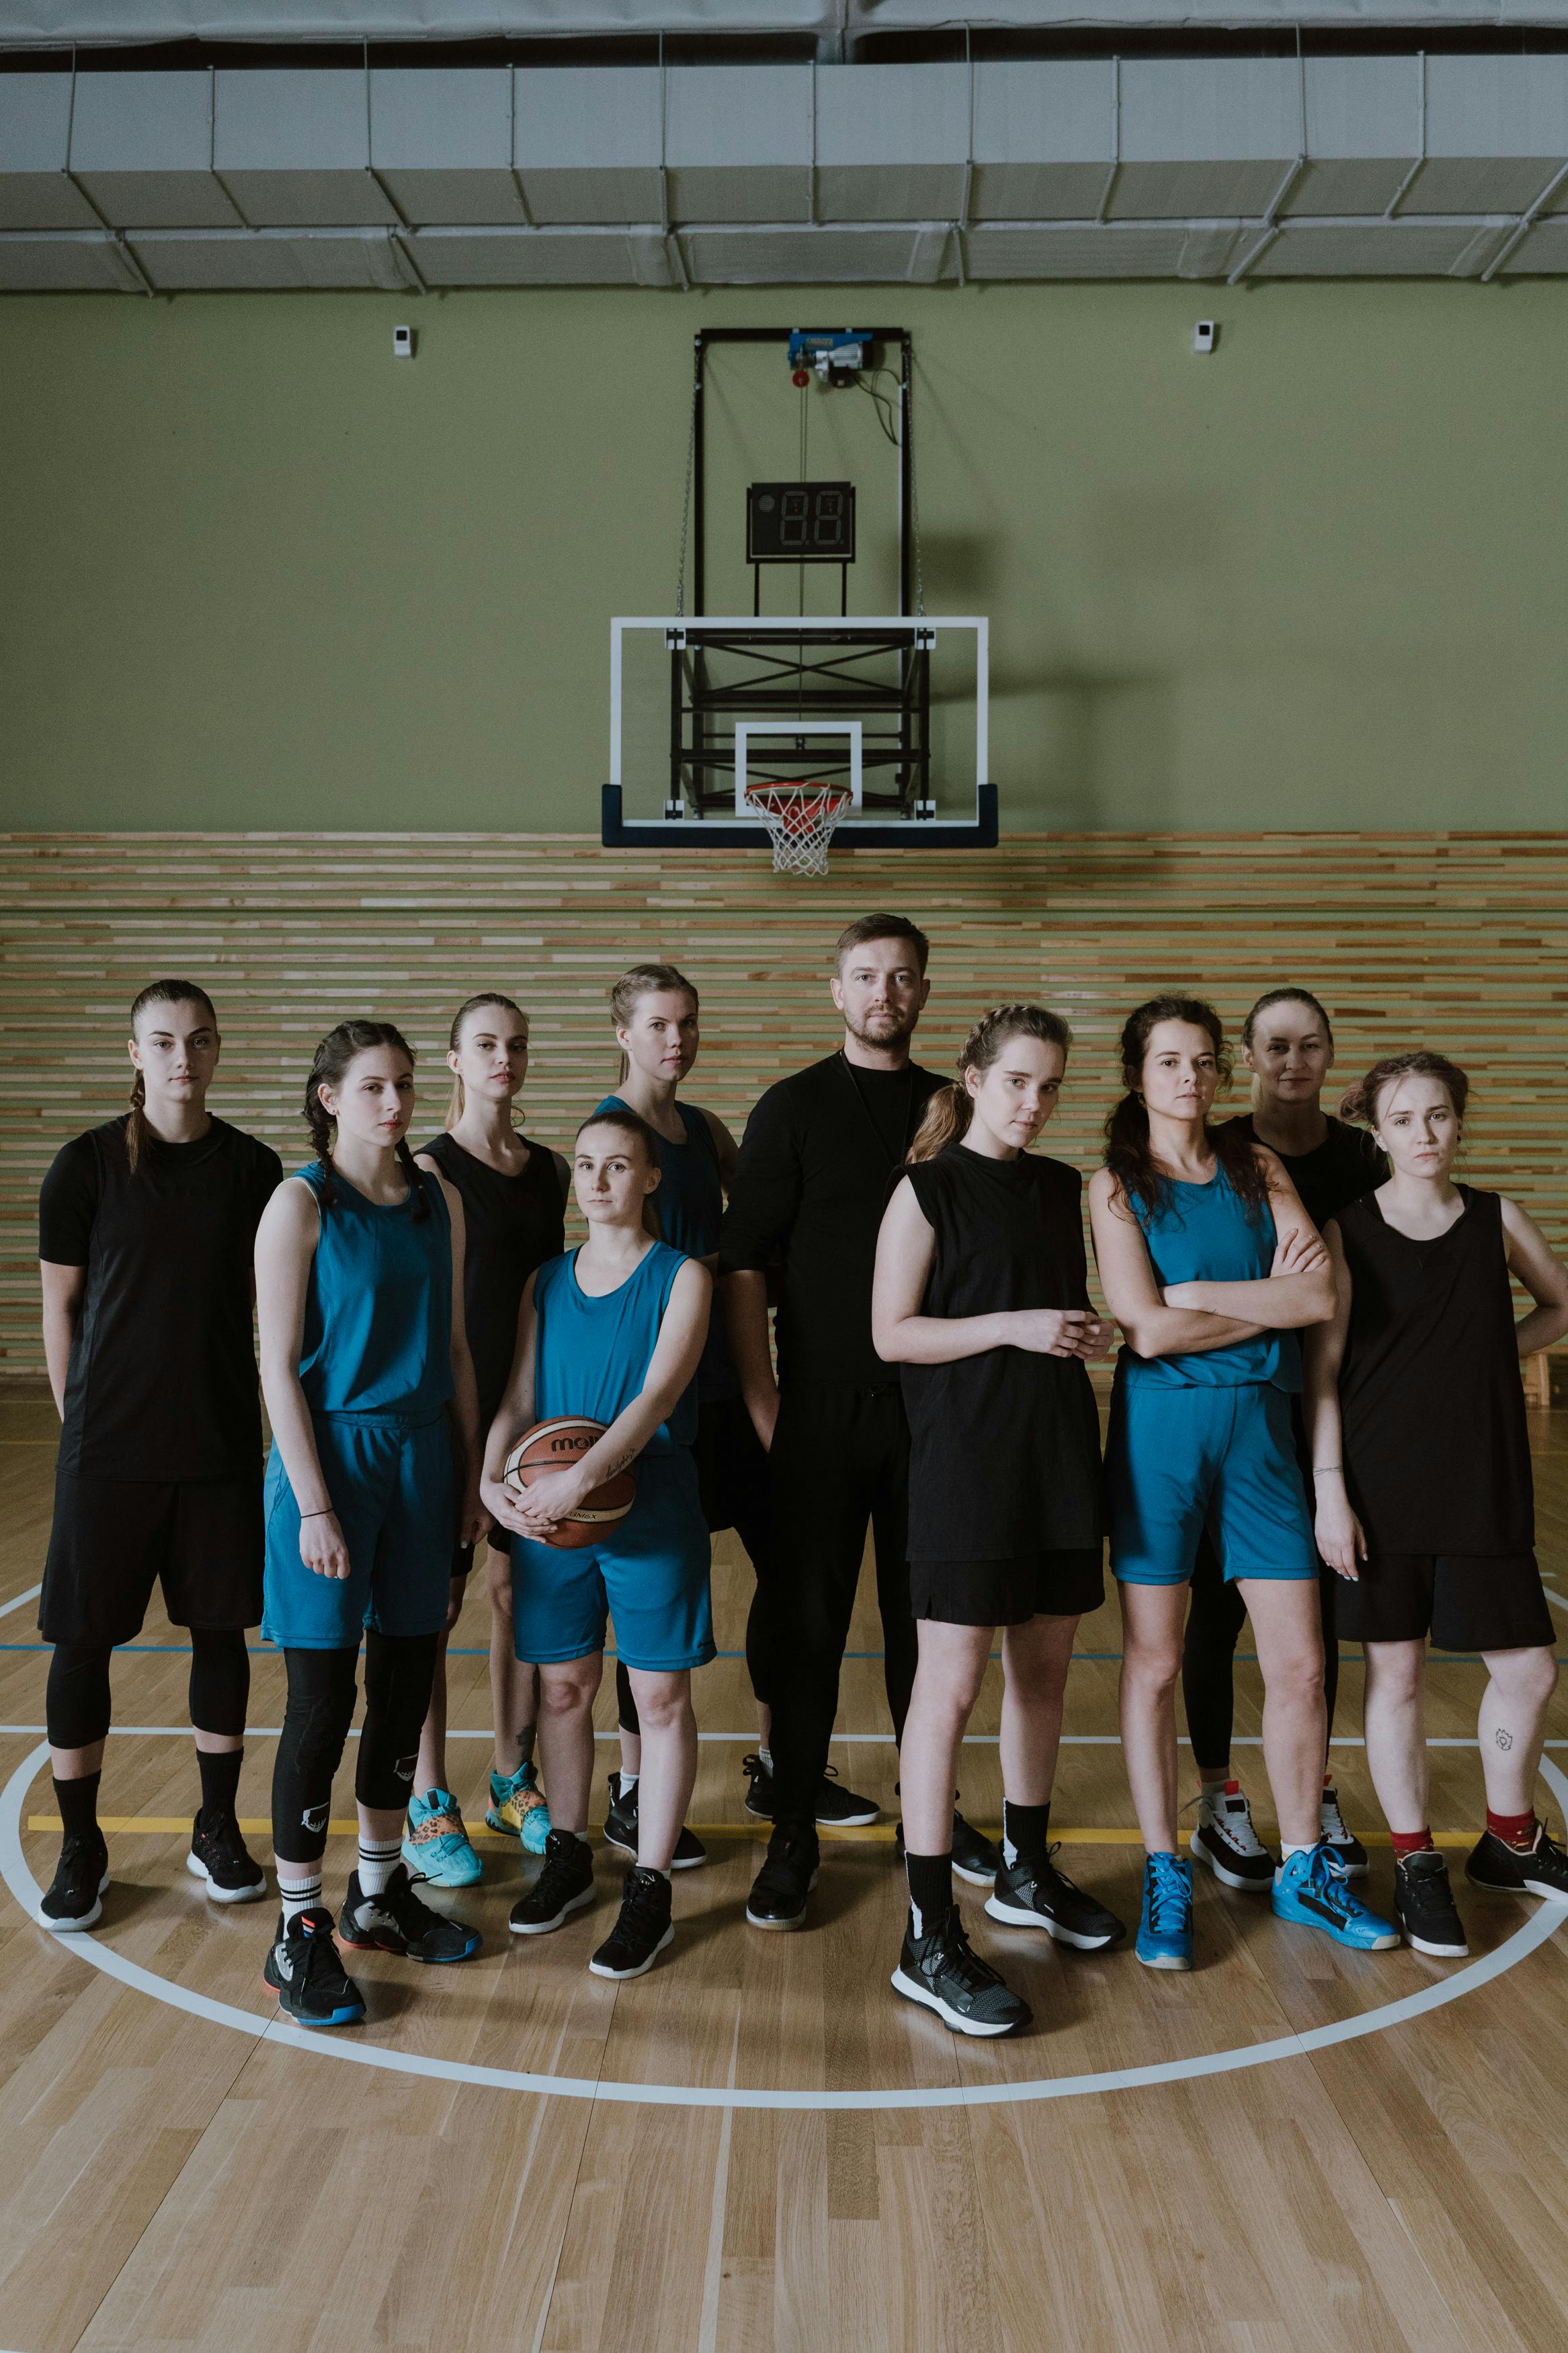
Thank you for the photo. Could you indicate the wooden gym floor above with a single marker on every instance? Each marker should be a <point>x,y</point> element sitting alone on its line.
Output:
<point>172,2174</point>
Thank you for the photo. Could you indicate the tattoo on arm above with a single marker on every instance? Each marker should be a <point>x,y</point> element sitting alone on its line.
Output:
<point>618,1462</point>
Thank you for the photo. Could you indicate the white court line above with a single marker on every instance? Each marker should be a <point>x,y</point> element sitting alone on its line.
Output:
<point>17,1600</point>
<point>1555,1598</point>
<point>1545,1922</point>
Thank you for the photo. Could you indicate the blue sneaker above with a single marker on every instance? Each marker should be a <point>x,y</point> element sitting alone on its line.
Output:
<point>435,1845</point>
<point>516,1809</point>
<point>1311,1888</point>
<point>1166,1930</point>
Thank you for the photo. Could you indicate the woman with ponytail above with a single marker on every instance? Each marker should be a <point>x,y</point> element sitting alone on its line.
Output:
<point>981,1296</point>
<point>145,1232</point>
<point>513,1193</point>
<point>359,1266</point>
<point>1211,1266</point>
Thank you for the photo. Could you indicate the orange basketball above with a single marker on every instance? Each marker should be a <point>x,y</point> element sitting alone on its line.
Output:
<point>556,1446</point>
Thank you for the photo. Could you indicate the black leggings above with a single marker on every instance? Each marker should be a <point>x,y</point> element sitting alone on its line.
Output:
<point>1216,1615</point>
<point>76,1704</point>
<point>398,1672</point>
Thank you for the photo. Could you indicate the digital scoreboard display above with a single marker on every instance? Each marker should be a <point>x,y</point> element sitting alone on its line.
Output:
<point>800,523</point>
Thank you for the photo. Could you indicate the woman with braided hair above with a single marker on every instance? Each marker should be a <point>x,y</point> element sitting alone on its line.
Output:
<point>981,1296</point>
<point>359,1266</point>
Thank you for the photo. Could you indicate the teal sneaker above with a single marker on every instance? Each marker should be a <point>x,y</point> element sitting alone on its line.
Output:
<point>516,1809</point>
<point>435,1845</point>
<point>1311,1888</point>
<point>1165,1929</point>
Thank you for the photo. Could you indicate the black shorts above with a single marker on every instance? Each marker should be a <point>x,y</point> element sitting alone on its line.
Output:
<point>499,1540</point>
<point>114,1539</point>
<point>1466,1601</point>
<point>1009,1592</point>
<point>731,1467</point>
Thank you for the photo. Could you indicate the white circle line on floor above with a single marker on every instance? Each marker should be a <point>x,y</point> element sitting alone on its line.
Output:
<point>1545,1922</point>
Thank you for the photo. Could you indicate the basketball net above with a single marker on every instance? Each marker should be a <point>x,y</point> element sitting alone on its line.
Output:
<point>801,820</point>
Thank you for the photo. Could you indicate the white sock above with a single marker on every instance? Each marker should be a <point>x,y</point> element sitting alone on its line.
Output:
<point>1287,1852</point>
<point>298,1895</point>
<point>767,1757</point>
<point>378,1859</point>
<point>628,1781</point>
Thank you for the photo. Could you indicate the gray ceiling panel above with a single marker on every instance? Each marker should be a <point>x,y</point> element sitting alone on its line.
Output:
<point>737,143</point>
<point>1355,184</point>
<point>70,264</point>
<point>294,148</point>
<point>1176,191</point>
<point>834,256</point>
<point>35,134</point>
<point>269,261</point>
<point>441,142</point>
<point>540,258</point>
<point>142,146</point>
<point>589,144</point>
<point>891,145</point>
<point>1543,252</point>
<point>1367,249</point>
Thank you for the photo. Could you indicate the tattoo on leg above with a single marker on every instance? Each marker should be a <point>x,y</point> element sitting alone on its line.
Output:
<point>1504,1739</point>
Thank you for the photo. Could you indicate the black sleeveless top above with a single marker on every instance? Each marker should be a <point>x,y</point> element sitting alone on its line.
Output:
<point>1004,1447</point>
<point>1436,1454</point>
<point>162,1384</point>
<point>510,1225</point>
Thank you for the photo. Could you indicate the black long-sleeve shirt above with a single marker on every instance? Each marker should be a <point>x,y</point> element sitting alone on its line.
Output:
<point>810,1186</point>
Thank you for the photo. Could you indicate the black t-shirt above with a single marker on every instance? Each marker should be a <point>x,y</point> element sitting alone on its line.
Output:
<point>808,1190</point>
<point>162,1384</point>
<point>1336,1172</point>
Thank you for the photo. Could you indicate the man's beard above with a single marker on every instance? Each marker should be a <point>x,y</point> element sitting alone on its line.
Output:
<point>895,1030</point>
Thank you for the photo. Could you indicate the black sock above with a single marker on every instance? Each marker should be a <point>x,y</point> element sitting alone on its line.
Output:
<point>1027,1834</point>
<point>931,1889</point>
<point>77,1802</point>
<point>219,1770</point>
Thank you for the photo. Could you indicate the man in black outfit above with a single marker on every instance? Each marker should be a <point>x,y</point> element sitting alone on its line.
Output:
<point>810,1186</point>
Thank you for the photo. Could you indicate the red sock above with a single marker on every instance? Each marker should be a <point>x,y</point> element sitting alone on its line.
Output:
<point>1410,1842</point>
<point>1516,1830</point>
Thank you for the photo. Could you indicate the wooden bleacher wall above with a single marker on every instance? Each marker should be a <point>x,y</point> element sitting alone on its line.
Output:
<point>1451,940</point>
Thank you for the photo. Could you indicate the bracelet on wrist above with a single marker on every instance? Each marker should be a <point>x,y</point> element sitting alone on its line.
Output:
<point>1321,1470</point>
<point>327,1513</point>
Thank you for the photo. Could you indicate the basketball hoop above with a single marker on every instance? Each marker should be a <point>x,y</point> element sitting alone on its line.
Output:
<point>801,820</point>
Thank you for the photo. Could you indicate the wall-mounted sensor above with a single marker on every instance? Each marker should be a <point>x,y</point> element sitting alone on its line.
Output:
<point>402,343</point>
<point>1206,334</point>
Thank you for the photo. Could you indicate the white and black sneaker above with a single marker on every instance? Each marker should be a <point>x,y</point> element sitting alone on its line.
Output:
<point>396,1920</point>
<point>942,1971</point>
<point>621,1828</point>
<point>220,1856</point>
<point>1341,1843</point>
<point>80,1882</point>
<point>1226,1841</point>
<point>1027,1897</point>
<point>1424,1910</point>
<point>837,1807</point>
<point>563,1886</point>
<point>1541,1870</point>
<point>305,1971</point>
<point>642,1930</point>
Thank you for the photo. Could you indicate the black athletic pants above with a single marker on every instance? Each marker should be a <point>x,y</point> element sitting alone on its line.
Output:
<point>840,1458</point>
<point>77,1702</point>
<point>1215,1614</point>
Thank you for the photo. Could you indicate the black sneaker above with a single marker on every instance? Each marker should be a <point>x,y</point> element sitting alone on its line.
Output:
<point>782,1889</point>
<point>1046,1898</point>
<point>1342,1844</point>
<point>305,1971</point>
<point>1424,1910</point>
<point>80,1880</point>
<point>974,1857</point>
<point>565,1884</point>
<point>836,1808</point>
<point>398,1921</point>
<point>942,1972</point>
<point>1228,1843</point>
<point>621,1829</point>
<point>218,1855</point>
<point>1541,1870</point>
<point>642,1931</point>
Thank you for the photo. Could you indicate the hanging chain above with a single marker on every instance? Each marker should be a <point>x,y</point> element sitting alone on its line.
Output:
<point>686,503</point>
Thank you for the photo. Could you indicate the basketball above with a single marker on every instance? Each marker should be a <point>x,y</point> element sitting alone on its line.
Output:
<point>556,1446</point>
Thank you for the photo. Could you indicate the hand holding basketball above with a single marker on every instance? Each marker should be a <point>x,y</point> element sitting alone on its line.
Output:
<point>546,1492</point>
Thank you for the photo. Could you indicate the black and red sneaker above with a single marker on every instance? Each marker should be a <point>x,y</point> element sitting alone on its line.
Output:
<point>1539,1870</point>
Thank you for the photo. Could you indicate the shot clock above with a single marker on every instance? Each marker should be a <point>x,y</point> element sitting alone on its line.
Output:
<point>800,523</point>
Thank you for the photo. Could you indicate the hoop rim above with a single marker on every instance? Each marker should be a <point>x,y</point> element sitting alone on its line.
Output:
<point>785,790</point>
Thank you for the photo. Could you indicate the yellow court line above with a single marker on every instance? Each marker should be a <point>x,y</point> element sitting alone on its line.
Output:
<point>156,1825</point>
